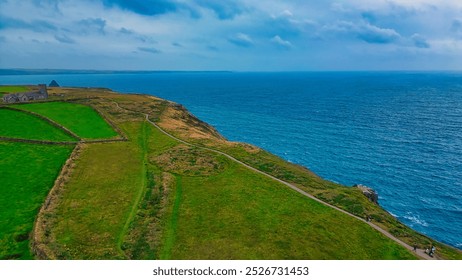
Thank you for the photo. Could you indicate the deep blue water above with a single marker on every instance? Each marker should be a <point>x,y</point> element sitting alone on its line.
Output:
<point>400,133</point>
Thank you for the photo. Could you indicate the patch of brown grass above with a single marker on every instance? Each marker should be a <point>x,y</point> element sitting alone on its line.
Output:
<point>175,118</point>
<point>189,161</point>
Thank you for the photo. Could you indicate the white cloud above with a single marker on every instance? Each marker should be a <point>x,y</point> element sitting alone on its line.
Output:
<point>281,43</point>
<point>364,31</point>
<point>287,13</point>
<point>410,4</point>
<point>241,40</point>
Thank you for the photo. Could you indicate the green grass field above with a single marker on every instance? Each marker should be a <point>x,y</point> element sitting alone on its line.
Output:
<point>27,173</point>
<point>211,208</point>
<point>152,197</point>
<point>12,89</point>
<point>350,199</point>
<point>17,124</point>
<point>217,209</point>
<point>80,119</point>
<point>239,214</point>
<point>99,201</point>
<point>146,230</point>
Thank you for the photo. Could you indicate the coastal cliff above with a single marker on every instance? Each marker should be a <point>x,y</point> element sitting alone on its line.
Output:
<point>173,188</point>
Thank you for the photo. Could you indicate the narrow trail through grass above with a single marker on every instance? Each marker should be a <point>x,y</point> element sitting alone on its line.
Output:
<point>142,142</point>
<point>172,224</point>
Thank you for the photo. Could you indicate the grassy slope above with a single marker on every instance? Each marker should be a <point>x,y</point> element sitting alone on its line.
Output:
<point>224,211</point>
<point>239,214</point>
<point>152,197</point>
<point>351,199</point>
<point>145,235</point>
<point>218,209</point>
<point>97,202</point>
<point>22,125</point>
<point>162,214</point>
<point>12,89</point>
<point>27,172</point>
<point>80,119</point>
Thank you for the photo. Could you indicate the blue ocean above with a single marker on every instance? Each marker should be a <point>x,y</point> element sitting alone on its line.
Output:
<point>397,132</point>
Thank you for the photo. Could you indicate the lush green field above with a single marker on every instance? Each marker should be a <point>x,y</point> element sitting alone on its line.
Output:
<point>153,197</point>
<point>99,201</point>
<point>350,199</point>
<point>239,214</point>
<point>214,208</point>
<point>17,124</point>
<point>27,173</point>
<point>347,198</point>
<point>199,205</point>
<point>12,89</point>
<point>80,119</point>
<point>151,226</point>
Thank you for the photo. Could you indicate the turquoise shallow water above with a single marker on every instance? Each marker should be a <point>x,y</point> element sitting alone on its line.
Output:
<point>400,133</point>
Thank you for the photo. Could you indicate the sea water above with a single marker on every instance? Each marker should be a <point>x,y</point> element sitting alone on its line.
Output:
<point>397,132</point>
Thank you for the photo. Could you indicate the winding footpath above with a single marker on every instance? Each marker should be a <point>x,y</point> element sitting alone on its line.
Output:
<point>419,252</point>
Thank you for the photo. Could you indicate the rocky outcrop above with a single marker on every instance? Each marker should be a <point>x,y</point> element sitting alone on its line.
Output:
<point>53,84</point>
<point>371,194</point>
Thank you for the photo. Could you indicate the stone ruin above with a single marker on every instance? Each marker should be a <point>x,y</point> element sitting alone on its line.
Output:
<point>40,94</point>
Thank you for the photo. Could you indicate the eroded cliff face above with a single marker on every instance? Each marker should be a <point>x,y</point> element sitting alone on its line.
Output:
<point>177,118</point>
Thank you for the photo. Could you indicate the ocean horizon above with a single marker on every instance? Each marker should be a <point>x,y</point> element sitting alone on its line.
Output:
<point>397,132</point>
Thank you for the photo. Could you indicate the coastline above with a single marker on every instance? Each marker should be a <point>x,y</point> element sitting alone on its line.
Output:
<point>205,135</point>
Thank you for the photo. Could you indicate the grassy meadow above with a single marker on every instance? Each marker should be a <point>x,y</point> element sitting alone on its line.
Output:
<point>100,200</point>
<point>238,214</point>
<point>347,198</point>
<point>12,89</point>
<point>80,119</point>
<point>17,124</point>
<point>27,173</point>
<point>153,197</point>
<point>181,202</point>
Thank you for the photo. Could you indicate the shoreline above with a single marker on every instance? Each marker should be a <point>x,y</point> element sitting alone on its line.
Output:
<point>180,108</point>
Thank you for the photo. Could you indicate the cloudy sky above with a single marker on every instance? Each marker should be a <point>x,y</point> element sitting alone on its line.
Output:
<point>243,35</point>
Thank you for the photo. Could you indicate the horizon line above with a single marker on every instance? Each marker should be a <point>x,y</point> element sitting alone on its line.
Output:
<point>41,71</point>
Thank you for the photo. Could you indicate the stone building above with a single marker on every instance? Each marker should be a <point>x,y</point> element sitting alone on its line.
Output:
<point>41,93</point>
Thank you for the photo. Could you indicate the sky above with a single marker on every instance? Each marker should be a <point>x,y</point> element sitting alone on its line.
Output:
<point>235,35</point>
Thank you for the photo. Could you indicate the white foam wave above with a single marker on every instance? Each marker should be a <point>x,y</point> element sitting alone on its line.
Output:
<point>393,214</point>
<point>415,219</point>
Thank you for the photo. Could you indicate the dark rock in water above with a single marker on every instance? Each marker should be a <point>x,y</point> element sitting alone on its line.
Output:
<point>369,193</point>
<point>53,84</point>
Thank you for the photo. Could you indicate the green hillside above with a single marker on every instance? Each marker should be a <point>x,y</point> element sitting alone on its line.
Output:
<point>80,119</point>
<point>155,196</point>
<point>16,124</point>
<point>12,89</point>
<point>27,173</point>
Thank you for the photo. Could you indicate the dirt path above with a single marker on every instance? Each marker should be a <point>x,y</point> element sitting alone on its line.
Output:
<point>419,252</point>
